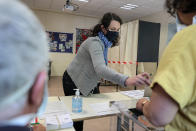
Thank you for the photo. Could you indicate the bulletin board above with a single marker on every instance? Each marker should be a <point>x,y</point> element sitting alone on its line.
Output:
<point>60,42</point>
<point>81,36</point>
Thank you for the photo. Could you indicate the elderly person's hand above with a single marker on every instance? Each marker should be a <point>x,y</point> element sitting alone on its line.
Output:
<point>141,103</point>
<point>39,127</point>
<point>139,80</point>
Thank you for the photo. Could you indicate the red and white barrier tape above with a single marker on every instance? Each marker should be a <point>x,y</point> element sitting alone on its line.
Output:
<point>124,62</point>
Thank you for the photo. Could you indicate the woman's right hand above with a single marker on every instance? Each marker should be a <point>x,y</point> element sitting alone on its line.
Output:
<point>39,127</point>
<point>139,80</point>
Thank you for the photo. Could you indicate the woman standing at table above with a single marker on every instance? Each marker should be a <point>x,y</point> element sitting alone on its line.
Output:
<point>90,63</point>
<point>173,100</point>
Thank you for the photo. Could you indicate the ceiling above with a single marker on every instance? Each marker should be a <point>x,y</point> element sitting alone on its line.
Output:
<point>96,8</point>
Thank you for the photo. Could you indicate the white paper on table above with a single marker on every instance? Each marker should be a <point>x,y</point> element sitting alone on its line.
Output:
<point>137,94</point>
<point>54,108</point>
<point>52,120</point>
<point>103,108</point>
<point>65,120</point>
<point>58,121</point>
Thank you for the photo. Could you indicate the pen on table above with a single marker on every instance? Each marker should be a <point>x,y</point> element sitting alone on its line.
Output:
<point>36,122</point>
<point>59,98</point>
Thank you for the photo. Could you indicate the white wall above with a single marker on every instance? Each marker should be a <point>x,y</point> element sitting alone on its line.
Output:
<point>61,22</point>
<point>163,18</point>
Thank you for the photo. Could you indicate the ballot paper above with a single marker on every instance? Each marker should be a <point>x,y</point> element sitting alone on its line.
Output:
<point>136,94</point>
<point>59,121</point>
<point>103,108</point>
<point>55,107</point>
<point>56,116</point>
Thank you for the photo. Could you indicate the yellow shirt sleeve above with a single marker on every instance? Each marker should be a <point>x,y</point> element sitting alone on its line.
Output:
<point>176,71</point>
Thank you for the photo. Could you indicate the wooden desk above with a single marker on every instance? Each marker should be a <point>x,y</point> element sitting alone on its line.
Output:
<point>88,112</point>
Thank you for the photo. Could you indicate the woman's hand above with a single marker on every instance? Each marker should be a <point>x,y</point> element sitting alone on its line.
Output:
<point>140,103</point>
<point>39,127</point>
<point>139,80</point>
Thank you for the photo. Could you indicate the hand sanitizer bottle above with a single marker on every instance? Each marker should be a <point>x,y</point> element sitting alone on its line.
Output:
<point>77,102</point>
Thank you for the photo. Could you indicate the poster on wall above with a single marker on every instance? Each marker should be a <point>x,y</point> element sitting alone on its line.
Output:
<point>81,36</point>
<point>60,42</point>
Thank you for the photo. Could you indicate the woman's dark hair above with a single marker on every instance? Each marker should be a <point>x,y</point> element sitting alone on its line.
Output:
<point>105,21</point>
<point>185,6</point>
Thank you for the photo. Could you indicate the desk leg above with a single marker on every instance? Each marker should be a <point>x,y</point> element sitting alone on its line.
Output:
<point>118,123</point>
<point>126,123</point>
<point>132,126</point>
<point>123,126</point>
<point>117,89</point>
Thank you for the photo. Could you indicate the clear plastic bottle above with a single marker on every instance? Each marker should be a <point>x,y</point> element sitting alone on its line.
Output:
<point>77,102</point>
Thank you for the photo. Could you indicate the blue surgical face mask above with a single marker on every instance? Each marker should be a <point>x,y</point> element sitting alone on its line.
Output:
<point>179,25</point>
<point>194,19</point>
<point>26,119</point>
<point>19,121</point>
<point>42,107</point>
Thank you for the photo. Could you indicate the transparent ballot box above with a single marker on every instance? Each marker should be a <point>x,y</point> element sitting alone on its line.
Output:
<point>129,118</point>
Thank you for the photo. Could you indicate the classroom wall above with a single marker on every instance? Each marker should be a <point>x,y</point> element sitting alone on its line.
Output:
<point>62,22</point>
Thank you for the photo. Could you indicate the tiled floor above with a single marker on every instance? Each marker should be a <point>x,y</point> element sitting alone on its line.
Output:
<point>100,124</point>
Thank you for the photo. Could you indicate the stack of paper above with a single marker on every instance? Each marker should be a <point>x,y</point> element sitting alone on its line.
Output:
<point>56,116</point>
<point>136,94</point>
<point>59,121</point>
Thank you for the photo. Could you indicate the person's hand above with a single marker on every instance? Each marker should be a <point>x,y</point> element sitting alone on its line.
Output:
<point>140,103</point>
<point>139,80</point>
<point>39,127</point>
